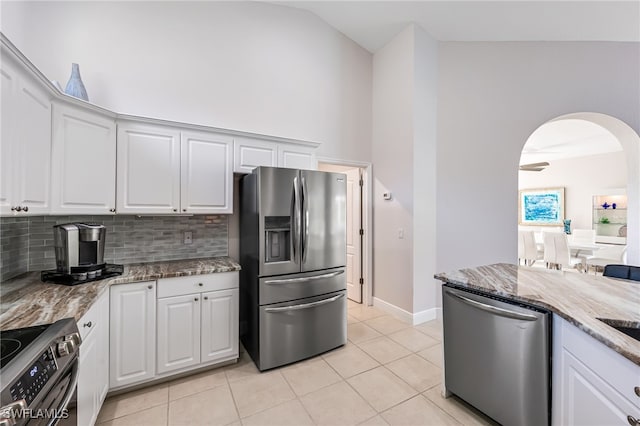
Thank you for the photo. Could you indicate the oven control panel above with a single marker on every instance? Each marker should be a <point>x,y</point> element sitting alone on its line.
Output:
<point>34,378</point>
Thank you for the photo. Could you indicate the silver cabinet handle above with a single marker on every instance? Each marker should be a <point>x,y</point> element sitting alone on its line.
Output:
<point>87,324</point>
<point>25,209</point>
<point>17,208</point>
<point>304,279</point>
<point>206,298</point>
<point>637,390</point>
<point>149,287</point>
<point>195,299</point>
<point>633,421</point>
<point>495,310</point>
<point>112,210</point>
<point>200,284</point>
<point>175,210</point>
<point>305,305</point>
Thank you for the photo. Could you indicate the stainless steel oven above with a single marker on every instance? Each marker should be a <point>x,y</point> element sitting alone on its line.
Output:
<point>38,373</point>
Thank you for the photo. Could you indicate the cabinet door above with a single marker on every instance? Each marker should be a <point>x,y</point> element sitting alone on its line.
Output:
<point>148,169</point>
<point>219,325</point>
<point>84,162</point>
<point>26,141</point>
<point>102,363</point>
<point>206,173</point>
<point>297,157</point>
<point>251,153</point>
<point>588,399</point>
<point>8,89</point>
<point>32,149</point>
<point>178,332</point>
<point>87,386</point>
<point>132,343</point>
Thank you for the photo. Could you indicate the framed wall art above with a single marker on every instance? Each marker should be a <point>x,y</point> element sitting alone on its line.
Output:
<point>541,207</point>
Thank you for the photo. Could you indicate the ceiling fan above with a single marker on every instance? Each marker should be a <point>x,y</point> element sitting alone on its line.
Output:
<point>534,167</point>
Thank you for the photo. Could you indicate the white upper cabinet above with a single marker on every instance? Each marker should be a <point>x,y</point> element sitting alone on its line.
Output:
<point>206,184</point>
<point>25,145</point>
<point>297,157</point>
<point>148,171</point>
<point>251,153</point>
<point>84,161</point>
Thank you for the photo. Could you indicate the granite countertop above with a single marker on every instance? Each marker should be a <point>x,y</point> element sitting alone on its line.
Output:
<point>26,301</point>
<point>578,298</point>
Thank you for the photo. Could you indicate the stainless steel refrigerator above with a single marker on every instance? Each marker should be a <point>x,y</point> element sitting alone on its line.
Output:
<point>293,255</point>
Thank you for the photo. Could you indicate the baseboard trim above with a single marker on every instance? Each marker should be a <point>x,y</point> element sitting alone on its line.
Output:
<point>406,316</point>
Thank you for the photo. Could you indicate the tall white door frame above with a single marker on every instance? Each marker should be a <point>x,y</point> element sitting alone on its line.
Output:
<point>367,222</point>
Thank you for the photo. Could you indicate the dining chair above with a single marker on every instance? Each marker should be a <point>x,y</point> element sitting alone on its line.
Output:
<point>606,255</point>
<point>556,251</point>
<point>583,236</point>
<point>527,248</point>
<point>563,254</point>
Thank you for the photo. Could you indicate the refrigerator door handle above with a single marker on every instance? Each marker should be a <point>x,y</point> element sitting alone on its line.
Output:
<point>304,279</point>
<point>305,221</point>
<point>295,241</point>
<point>305,305</point>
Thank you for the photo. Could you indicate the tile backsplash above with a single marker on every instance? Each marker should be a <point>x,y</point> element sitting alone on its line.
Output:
<point>27,243</point>
<point>14,246</point>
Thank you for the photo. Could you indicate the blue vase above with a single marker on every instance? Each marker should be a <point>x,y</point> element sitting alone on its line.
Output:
<point>75,87</point>
<point>567,226</point>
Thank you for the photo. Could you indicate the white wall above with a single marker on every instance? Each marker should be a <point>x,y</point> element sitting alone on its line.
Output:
<point>424,172</point>
<point>582,178</point>
<point>491,97</point>
<point>392,156</point>
<point>246,66</point>
<point>404,147</point>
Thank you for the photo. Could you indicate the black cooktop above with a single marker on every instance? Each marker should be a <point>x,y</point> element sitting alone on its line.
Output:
<point>12,342</point>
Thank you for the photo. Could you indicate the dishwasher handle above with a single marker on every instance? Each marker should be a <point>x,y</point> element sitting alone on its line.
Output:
<point>495,310</point>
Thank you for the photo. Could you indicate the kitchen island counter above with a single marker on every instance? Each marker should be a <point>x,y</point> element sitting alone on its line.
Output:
<point>578,298</point>
<point>26,301</point>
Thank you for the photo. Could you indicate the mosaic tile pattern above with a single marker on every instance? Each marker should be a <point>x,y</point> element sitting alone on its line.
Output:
<point>14,246</point>
<point>27,243</point>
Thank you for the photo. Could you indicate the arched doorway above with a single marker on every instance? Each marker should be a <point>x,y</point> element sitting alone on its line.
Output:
<point>623,136</point>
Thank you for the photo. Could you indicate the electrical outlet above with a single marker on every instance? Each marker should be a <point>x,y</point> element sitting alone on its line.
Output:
<point>400,233</point>
<point>188,237</point>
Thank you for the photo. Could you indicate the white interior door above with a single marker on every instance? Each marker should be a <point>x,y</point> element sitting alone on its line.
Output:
<point>354,225</point>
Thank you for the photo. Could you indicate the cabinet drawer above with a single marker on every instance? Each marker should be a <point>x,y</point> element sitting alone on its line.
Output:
<point>90,319</point>
<point>168,287</point>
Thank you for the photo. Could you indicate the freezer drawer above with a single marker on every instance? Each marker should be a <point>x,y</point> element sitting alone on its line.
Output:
<point>496,356</point>
<point>298,286</point>
<point>293,331</point>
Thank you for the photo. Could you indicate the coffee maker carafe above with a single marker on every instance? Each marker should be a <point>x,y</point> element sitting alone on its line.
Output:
<point>79,247</point>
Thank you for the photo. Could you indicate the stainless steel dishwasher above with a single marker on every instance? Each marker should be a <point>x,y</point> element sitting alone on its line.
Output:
<point>496,356</point>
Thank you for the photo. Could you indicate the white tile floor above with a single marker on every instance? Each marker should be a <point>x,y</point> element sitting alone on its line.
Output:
<point>389,373</point>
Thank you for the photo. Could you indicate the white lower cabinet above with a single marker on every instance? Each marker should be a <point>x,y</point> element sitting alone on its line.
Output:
<point>197,320</point>
<point>93,379</point>
<point>132,341</point>
<point>178,332</point>
<point>592,384</point>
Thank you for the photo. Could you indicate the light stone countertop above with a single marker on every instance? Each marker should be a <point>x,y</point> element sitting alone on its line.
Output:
<point>26,301</point>
<point>578,298</point>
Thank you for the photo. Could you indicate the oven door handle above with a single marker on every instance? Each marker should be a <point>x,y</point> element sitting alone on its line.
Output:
<point>73,384</point>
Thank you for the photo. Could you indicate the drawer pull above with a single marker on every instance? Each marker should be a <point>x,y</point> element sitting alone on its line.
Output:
<point>195,299</point>
<point>200,284</point>
<point>149,287</point>
<point>206,298</point>
<point>637,390</point>
<point>633,421</point>
<point>87,324</point>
